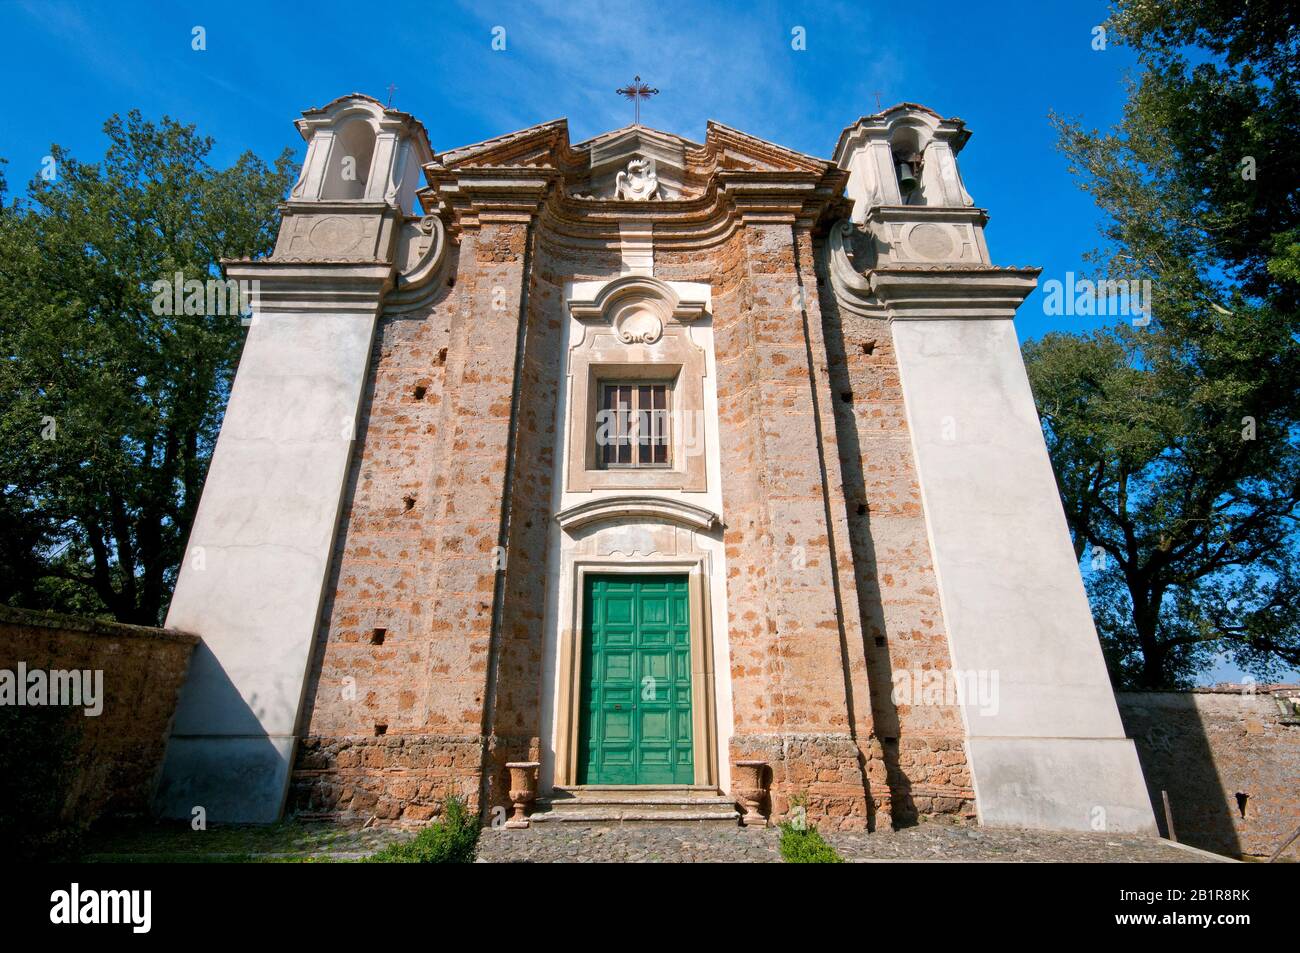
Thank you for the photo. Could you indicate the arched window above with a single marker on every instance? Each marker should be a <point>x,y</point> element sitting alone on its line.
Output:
<point>907,166</point>
<point>349,162</point>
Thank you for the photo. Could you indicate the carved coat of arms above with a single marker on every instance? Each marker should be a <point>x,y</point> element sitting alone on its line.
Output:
<point>639,183</point>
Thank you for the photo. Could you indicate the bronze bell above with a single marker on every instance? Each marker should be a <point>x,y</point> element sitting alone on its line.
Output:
<point>907,180</point>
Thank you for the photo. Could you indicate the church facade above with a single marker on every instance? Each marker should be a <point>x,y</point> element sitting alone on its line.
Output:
<point>641,459</point>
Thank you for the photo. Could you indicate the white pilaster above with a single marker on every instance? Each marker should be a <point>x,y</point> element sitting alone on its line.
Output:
<point>1049,751</point>
<point>258,560</point>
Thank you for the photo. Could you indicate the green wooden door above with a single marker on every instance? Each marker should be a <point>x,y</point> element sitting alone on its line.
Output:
<point>636,681</point>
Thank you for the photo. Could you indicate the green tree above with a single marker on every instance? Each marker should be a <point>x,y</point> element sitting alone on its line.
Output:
<point>1175,443</point>
<point>108,409</point>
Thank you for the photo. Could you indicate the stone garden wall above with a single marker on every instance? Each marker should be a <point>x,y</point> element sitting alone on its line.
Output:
<point>97,754</point>
<point>1229,760</point>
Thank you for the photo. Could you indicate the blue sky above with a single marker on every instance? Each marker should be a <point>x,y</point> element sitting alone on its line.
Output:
<point>1001,67</point>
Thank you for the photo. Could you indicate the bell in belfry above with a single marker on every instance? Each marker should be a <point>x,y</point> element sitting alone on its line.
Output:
<point>907,180</point>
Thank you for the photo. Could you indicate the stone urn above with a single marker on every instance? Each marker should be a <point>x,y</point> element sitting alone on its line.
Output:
<point>523,790</point>
<point>749,782</point>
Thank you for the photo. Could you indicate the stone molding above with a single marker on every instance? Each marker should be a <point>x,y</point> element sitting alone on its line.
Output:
<point>618,294</point>
<point>421,254</point>
<point>696,567</point>
<point>637,326</point>
<point>477,196</point>
<point>315,287</point>
<point>926,234</point>
<point>637,508</point>
<point>975,293</point>
<point>936,291</point>
<point>704,189</point>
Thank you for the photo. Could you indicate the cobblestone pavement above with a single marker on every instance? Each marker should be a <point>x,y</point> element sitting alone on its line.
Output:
<point>551,843</point>
<point>645,843</point>
<point>649,843</point>
<point>953,843</point>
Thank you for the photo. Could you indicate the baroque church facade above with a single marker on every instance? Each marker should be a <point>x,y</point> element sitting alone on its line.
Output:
<point>648,462</point>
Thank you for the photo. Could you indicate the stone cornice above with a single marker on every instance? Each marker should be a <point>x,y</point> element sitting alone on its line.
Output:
<point>731,177</point>
<point>786,197</point>
<point>951,292</point>
<point>319,286</point>
<point>735,149</point>
<point>922,213</point>
<point>952,130</point>
<point>386,117</point>
<point>929,291</point>
<point>637,508</point>
<point>636,287</point>
<point>545,137</point>
<point>481,194</point>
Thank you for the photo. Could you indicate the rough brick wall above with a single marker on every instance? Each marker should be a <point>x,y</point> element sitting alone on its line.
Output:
<point>516,717</point>
<point>422,553</point>
<point>118,752</point>
<point>791,679</point>
<point>1208,748</point>
<point>371,742</point>
<point>391,727</point>
<point>901,616</point>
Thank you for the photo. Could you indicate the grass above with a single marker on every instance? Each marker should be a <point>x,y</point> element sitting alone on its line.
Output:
<point>806,846</point>
<point>285,842</point>
<point>454,840</point>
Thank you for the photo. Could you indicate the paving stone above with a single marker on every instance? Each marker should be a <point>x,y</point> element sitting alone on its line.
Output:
<point>555,843</point>
<point>943,842</point>
<point>925,842</point>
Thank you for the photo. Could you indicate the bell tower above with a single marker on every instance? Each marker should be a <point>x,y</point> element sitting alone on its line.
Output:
<point>257,564</point>
<point>907,193</point>
<point>357,150</point>
<point>1048,750</point>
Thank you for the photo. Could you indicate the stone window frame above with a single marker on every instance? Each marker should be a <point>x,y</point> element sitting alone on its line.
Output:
<point>637,328</point>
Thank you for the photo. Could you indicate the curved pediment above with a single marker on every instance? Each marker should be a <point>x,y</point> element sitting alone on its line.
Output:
<point>630,509</point>
<point>629,291</point>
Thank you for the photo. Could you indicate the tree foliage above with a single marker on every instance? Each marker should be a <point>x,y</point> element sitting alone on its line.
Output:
<point>1175,443</point>
<point>108,410</point>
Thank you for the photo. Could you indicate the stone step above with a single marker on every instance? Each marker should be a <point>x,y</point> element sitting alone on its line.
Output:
<point>622,804</point>
<point>621,793</point>
<point>603,816</point>
<point>665,804</point>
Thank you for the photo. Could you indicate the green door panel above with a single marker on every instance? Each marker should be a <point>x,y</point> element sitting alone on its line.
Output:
<point>635,710</point>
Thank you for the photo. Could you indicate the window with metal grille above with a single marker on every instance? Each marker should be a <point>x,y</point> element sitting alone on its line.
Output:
<point>632,424</point>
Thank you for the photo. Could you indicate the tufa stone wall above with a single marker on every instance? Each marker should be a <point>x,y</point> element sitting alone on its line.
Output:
<point>829,580</point>
<point>921,745</point>
<point>1229,761</point>
<point>114,757</point>
<point>427,671</point>
<point>797,674</point>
